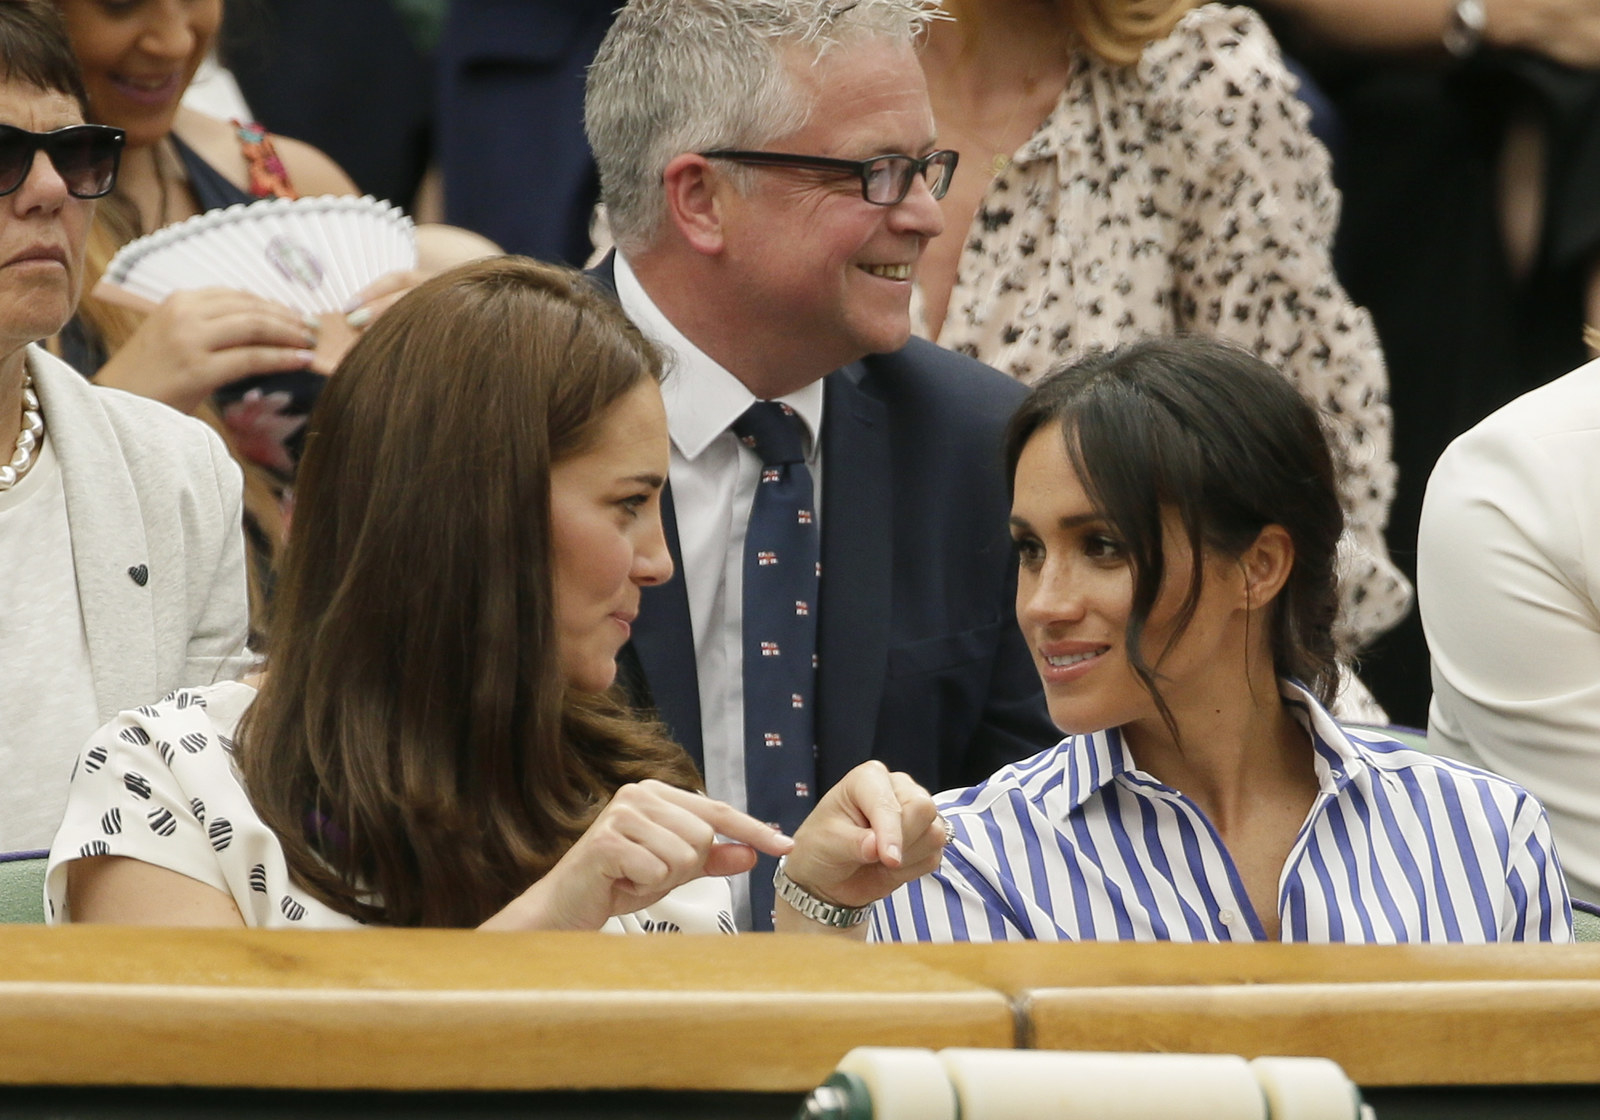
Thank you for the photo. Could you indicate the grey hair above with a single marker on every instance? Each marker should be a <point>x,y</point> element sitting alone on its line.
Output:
<point>676,76</point>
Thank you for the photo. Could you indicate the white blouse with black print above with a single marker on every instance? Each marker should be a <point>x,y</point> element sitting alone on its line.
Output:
<point>158,784</point>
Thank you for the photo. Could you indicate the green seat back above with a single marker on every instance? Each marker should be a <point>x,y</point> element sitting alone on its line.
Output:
<point>22,887</point>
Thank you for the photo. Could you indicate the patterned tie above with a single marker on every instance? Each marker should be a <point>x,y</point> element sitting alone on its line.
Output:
<point>781,569</point>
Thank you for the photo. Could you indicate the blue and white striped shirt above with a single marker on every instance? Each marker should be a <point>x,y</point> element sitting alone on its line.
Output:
<point>1077,844</point>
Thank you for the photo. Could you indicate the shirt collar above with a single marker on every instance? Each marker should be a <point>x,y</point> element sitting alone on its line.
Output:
<point>1053,137</point>
<point>1338,761</point>
<point>1096,759</point>
<point>701,397</point>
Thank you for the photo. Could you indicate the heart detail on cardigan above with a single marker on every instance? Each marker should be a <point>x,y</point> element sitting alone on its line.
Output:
<point>139,574</point>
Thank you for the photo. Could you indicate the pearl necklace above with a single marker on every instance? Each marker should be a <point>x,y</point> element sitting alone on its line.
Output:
<point>27,439</point>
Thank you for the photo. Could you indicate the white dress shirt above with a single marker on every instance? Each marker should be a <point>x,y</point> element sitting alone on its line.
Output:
<point>714,479</point>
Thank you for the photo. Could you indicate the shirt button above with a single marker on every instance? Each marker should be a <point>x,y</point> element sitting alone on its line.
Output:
<point>1226,917</point>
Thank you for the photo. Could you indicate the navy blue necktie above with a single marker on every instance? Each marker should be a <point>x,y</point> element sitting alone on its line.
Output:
<point>781,562</point>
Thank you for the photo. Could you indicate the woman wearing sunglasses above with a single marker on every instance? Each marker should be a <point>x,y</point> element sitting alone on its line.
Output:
<point>119,518</point>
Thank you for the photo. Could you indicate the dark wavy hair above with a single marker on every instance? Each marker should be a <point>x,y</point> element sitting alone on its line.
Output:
<point>34,49</point>
<point>1215,434</point>
<point>415,745</point>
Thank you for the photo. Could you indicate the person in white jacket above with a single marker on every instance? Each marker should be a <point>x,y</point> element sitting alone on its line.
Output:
<point>1507,559</point>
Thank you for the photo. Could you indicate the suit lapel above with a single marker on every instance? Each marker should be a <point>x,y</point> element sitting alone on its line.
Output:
<point>604,275</point>
<point>663,639</point>
<point>857,556</point>
<point>108,537</point>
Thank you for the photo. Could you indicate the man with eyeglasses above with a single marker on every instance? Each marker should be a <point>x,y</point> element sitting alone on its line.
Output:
<point>836,507</point>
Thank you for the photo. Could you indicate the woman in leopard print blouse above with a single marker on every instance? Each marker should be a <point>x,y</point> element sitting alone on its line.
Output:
<point>1132,169</point>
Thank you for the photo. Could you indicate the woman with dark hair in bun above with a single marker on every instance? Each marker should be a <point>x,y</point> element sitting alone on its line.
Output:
<point>1177,522</point>
<point>1133,168</point>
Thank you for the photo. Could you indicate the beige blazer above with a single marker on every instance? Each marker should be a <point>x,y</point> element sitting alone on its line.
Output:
<point>153,506</point>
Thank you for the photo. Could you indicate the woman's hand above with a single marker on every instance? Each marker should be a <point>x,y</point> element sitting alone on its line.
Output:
<point>382,294</point>
<point>194,342</point>
<point>1567,31</point>
<point>872,832</point>
<point>650,838</point>
<point>439,248</point>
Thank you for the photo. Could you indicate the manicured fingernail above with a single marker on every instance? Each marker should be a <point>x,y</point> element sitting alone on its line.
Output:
<point>891,851</point>
<point>359,318</point>
<point>312,324</point>
<point>306,357</point>
<point>355,302</point>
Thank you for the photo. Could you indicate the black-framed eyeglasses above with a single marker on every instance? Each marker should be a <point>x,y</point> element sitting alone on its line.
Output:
<point>885,180</point>
<point>86,157</point>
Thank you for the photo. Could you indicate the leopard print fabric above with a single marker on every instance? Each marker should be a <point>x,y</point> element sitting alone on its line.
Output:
<point>1187,194</point>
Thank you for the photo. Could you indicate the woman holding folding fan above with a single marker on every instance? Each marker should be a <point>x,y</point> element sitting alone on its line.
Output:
<point>252,359</point>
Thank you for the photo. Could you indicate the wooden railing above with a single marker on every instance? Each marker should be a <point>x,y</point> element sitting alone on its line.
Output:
<point>389,1009</point>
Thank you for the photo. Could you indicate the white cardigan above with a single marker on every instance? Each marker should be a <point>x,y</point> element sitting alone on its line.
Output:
<point>147,487</point>
<point>1508,562</point>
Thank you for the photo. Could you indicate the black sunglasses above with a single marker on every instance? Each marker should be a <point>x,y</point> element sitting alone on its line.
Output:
<point>85,156</point>
<point>885,180</point>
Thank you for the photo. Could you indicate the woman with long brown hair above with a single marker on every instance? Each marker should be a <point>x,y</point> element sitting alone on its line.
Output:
<point>434,742</point>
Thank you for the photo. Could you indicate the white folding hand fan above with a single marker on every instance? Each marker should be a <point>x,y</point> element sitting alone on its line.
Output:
<point>312,254</point>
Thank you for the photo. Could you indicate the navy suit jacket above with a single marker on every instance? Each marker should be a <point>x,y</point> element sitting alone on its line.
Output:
<point>346,77</point>
<point>511,148</point>
<point>920,662</point>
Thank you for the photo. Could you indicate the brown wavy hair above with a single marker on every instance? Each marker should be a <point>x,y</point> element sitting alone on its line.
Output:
<point>415,746</point>
<point>1117,31</point>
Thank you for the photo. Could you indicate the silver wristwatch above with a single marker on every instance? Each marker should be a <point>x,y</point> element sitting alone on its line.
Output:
<point>827,913</point>
<point>1463,34</point>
